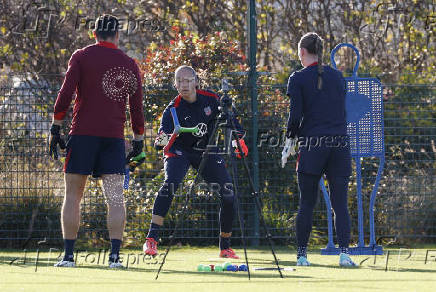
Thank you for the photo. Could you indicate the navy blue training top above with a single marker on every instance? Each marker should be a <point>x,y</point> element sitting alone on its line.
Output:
<point>203,110</point>
<point>314,112</point>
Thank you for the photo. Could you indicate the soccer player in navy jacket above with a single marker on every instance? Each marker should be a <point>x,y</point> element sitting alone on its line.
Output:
<point>194,107</point>
<point>317,121</point>
<point>103,79</point>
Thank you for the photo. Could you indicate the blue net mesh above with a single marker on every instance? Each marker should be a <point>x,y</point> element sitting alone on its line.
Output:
<point>365,116</point>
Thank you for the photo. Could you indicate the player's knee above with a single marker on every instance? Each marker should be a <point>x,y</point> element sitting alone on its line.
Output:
<point>169,187</point>
<point>227,195</point>
<point>228,200</point>
<point>72,201</point>
<point>340,211</point>
<point>115,201</point>
<point>307,205</point>
<point>113,190</point>
<point>162,203</point>
<point>167,191</point>
<point>214,189</point>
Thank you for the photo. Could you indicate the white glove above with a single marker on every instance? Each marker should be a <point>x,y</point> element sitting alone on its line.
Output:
<point>289,149</point>
<point>161,140</point>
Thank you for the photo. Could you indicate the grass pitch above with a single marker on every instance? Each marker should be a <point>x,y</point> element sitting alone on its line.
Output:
<point>403,270</point>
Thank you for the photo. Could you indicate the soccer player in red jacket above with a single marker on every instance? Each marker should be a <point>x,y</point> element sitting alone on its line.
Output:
<point>102,78</point>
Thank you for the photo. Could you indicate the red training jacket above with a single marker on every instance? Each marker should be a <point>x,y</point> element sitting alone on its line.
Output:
<point>103,78</point>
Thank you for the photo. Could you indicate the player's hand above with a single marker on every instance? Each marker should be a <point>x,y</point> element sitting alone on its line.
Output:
<point>137,145</point>
<point>243,146</point>
<point>55,140</point>
<point>289,149</point>
<point>161,140</point>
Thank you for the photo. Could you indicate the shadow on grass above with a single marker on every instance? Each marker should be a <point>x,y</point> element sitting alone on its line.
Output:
<point>164,271</point>
<point>402,270</point>
<point>365,280</point>
<point>152,270</point>
<point>254,275</point>
<point>294,263</point>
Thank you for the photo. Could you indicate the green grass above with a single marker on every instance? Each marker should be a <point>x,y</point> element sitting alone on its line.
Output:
<point>403,273</point>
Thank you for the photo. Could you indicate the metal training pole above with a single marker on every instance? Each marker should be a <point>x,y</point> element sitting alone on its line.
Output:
<point>228,149</point>
<point>255,195</point>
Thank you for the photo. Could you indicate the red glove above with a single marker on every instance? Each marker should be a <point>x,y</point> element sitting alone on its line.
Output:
<point>243,146</point>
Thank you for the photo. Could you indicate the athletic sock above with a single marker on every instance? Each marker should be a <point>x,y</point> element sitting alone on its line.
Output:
<point>115,250</point>
<point>69,249</point>
<point>344,250</point>
<point>153,232</point>
<point>301,252</point>
<point>224,243</point>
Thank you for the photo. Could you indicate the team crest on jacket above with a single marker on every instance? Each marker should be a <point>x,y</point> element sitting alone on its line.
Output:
<point>119,82</point>
<point>207,111</point>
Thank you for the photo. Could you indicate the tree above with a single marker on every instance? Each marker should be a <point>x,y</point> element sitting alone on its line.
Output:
<point>211,56</point>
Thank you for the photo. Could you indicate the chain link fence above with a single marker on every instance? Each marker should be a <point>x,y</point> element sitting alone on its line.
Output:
<point>31,184</point>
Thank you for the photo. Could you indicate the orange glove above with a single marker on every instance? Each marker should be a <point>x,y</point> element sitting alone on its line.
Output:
<point>243,146</point>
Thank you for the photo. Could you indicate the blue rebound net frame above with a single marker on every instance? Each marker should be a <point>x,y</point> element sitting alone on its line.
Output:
<point>364,111</point>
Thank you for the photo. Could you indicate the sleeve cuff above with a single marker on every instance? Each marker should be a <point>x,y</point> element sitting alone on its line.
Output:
<point>138,137</point>
<point>57,122</point>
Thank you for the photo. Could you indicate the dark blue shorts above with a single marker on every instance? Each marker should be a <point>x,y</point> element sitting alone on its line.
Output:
<point>95,156</point>
<point>333,161</point>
